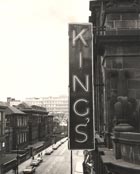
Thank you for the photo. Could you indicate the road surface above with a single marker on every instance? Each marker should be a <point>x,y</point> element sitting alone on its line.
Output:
<point>59,161</point>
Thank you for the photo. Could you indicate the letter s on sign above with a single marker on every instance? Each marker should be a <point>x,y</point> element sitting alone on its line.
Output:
<point>75,109</point>
<point>85,136</point>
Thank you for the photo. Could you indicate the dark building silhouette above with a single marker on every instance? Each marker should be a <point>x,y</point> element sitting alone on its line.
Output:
<point>18,122</point>
<point>37,122</point>
<point>116,61</point>
<point>4,132</point>
<point>24,131</point>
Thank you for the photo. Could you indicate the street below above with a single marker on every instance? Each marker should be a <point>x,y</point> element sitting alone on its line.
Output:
<point>59,162</point>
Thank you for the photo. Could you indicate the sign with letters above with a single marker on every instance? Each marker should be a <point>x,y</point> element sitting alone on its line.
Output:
<point>81,120</point>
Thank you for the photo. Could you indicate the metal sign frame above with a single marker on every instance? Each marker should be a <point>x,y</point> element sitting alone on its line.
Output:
<point>81,118</point>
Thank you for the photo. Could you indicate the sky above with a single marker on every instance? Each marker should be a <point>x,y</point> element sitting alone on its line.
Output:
<point>34,46</point>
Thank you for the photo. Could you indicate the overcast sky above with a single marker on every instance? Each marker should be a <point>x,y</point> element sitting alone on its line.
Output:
<point>34,46</point>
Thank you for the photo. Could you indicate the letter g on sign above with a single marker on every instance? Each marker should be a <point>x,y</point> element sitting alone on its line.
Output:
<point>75,108</point>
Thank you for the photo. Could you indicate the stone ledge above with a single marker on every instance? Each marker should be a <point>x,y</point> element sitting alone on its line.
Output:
<point>104,39</point>
<point>122,10</point>
<point>119,166</point>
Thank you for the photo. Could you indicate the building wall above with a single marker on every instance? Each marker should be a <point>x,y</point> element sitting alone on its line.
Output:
<point>50,125</point>
<point>116,76</point>
<point>28,131</point>
<point>19,134</point>
<point>33,128</point>
<point>2,130</point>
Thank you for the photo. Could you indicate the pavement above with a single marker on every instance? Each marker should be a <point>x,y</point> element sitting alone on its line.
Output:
<point>79,163</point>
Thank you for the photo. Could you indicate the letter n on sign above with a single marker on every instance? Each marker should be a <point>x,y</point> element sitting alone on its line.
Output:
<point>81,127</point>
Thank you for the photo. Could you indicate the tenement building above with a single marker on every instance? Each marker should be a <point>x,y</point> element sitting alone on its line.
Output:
<point>116,61</point>
<point>24,131</point>
<point>5,157</point>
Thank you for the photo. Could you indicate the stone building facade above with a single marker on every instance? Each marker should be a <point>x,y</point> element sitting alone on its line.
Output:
<point>5,157</point>
<point>24,131</point>
<point>18,122</point>
<point>37,122</point>
<point>116,59</point>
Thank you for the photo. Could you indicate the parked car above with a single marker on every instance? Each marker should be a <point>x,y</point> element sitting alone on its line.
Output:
<point>34,162</point>
<point>62,141</point>
<point>40,159</point>
<point>29,169</point>
<point>55,146</point>
<point>59,143</point>
<point>49,150</point>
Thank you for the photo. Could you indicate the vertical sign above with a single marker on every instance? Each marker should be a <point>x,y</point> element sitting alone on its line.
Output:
<point>81,127</point>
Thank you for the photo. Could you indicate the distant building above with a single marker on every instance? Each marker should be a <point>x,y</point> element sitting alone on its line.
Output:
<point>12,101</point>
<point>57,105</point>
<point>53,104</point>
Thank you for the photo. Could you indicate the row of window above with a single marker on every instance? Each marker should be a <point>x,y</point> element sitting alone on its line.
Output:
<point>1,116</point>
<point>47,102</point>
<point>2,129</point>
<point>21,137</point>
<point>2,123</point>
<point>21,121</point>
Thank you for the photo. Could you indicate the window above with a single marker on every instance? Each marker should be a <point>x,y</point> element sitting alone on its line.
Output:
<point>18,122</point>
<point>20,138</point>
<point>0,116</point>
<point>25,137</point>
<point>22,119</point>
<point>25,121</point>
<point>3,144</point>
<point>2,123</point>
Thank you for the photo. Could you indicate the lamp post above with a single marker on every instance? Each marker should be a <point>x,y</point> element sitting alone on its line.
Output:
<point>71,165</point>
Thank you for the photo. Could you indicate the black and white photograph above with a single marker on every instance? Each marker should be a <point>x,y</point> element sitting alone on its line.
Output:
<point>70,87</point>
